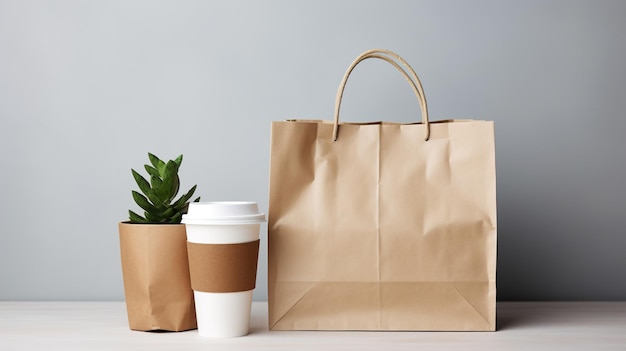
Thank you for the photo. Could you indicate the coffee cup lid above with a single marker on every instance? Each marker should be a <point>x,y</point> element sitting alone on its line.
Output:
<point>227,212</point>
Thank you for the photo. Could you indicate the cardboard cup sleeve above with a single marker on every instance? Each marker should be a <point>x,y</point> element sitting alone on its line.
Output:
<point>223,267</point>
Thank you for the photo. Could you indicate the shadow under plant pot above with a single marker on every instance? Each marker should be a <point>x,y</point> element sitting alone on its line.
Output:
<point>156,277</point>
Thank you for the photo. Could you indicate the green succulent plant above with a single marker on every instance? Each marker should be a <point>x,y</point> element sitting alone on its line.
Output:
<point>157,199</point>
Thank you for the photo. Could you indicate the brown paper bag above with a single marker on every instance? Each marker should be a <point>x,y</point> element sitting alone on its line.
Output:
<point>382,226</point>
<point>156,277</point>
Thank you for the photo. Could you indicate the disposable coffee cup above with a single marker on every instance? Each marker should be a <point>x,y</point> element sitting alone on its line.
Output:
<point>222,245</point>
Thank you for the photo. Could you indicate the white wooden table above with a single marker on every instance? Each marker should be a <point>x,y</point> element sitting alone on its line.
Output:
<point>521,326</point>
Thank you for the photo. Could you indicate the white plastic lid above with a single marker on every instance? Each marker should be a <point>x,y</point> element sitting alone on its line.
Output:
<point>227,212</point>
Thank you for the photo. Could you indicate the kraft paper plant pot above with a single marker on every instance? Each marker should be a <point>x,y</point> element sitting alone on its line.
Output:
<point>156,277</point>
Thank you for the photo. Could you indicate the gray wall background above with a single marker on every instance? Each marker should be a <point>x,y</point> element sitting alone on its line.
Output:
<point>87,88</point>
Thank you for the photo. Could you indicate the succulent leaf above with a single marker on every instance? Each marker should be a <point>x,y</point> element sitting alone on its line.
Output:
<point>169,212</point>
<point>170,181</point>
<point>153,218</point>
<point>176,219</point>
<point>143,202</point>
<point>153,172</point>
<point>157,163</point>
<point>157,189</point>
<point>143,184</point>
<point>185,206</point>
<point>135,218</point>
<point>179,160</point>
<point>183,199</point>
<point>157,199</point>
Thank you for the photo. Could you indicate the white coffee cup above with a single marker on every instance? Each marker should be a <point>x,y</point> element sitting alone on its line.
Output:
<point>222,314</point>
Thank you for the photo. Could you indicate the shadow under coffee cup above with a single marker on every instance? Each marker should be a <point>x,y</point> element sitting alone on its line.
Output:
<point>223,246</point>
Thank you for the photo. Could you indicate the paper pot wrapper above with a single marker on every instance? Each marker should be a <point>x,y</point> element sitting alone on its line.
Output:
<point>156,277</point>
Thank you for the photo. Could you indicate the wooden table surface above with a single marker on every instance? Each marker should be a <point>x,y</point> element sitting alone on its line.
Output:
<point>521,326</point>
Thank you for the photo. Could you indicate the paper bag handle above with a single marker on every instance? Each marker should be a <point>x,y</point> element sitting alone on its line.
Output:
<point>413,80</point>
